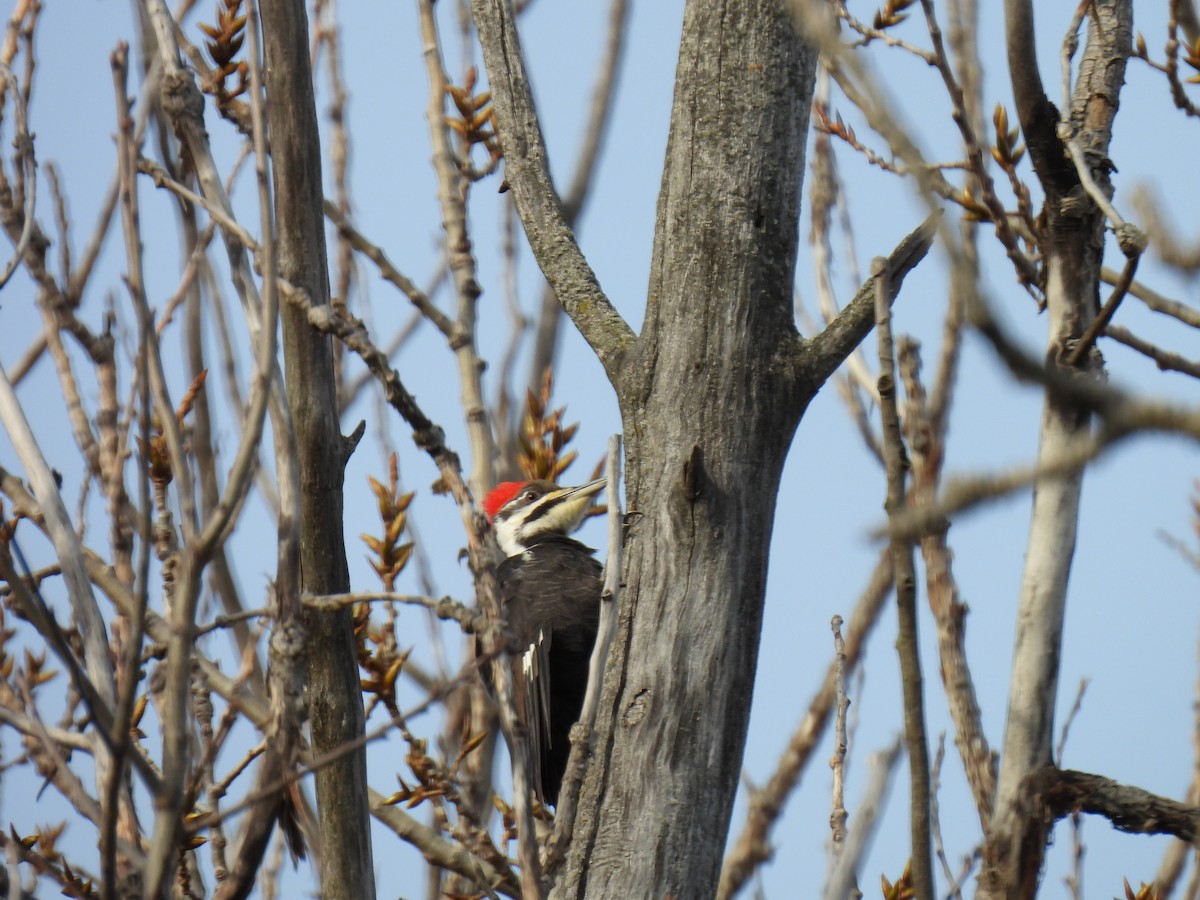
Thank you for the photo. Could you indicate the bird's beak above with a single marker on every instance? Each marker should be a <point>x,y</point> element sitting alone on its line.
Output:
<point>586,490</point>
<point>567,507</point>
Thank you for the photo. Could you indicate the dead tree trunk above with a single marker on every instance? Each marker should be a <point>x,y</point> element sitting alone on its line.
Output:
<point>710,398</point>
<point>711,393</point>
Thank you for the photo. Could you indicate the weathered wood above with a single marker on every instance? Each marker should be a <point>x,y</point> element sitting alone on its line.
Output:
<point>334,696</point>
<point>1016,843</point>
<point>710,400</point>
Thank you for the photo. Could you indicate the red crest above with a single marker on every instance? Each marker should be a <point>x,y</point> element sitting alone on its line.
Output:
<point>500,495</point>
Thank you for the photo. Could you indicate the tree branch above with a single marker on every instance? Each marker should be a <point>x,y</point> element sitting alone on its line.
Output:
<point>824,353</point>
<point>599,114</point>
<point>527,173</point>
<point>1037,115</point>
<point>1055,793</point>
<point>904,577</point>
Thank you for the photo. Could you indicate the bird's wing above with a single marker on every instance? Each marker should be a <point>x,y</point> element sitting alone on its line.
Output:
<point>531,670</point>
<point>533,673</point>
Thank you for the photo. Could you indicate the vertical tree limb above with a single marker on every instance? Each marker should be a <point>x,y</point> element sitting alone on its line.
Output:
<point>335,702</point>
<point>905,578</point>
<point>527,172</point>
<point>599,113</point>
<point>1015,843</point>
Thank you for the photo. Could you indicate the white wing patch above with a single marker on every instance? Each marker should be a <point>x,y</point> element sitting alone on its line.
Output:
<point>536,675</point>
<point>530,665</point>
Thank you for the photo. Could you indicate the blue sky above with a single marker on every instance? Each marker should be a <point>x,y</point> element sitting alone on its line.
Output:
<point>1132,616</point>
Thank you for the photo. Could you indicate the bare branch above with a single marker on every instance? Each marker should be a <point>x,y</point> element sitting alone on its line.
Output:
<point>905,579</point>
<point>1071,714</point>
<point>1053,793</point>
<point>389,272</point>
<point>927,440</point>
<point>453,186</point>
<point>1097,326</point>
<point>825,352</point>
<point>883,766</point>
<point>24,144</point>
<point>599,114</point>
<point>443,607</point>
<point>1155,300</point>
<point>1164,359</point>
<point>449,855</point>
<point>837,762</point>
<point>527,173</point>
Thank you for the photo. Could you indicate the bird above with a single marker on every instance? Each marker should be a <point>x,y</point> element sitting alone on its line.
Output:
<point>550,586</point>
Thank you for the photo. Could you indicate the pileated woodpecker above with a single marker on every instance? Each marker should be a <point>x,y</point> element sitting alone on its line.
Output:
<point>550,592</point>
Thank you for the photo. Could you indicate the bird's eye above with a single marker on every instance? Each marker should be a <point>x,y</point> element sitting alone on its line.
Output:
<point>530,495</point>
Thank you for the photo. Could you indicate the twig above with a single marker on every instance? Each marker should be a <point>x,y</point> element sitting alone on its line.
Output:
<point>50,760</point>
<point>389,272</point>
<point>453,189</point>
<point>1175,857</point>
<point>1179,253</point>
<point>857,387</point>
<point>25,724</point>
<point>1098,324</point>
<point>326,35</point>
<point>1074,879</point>
<point>882,765</point>
<point>953,888</point>
<point>826,352</point>
<point>25,364</point>
<point>92,629</point>
<point>1132,240</point>
<point>222,217</point>
<point>1164,359</point>
<point>870,34</point>
<point>352,389</point>
<point>927,440</point>
<point>265,392</point>
<point>1069,45</point>
<point>443,607</point>
<point>24,153</point>
<point>113,798</point>
<point>1155,300</point>
<point>438,851</point>
<point>1074,711</point>
<point>976,158</point>
<point>964,493</point>
<point>837,819</point>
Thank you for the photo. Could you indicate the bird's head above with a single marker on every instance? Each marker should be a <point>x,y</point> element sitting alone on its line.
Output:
<point>522,510</point>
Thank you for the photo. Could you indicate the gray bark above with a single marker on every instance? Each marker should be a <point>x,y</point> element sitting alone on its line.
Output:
<point>710,397</point>
<point>334,695</point>
<point>1016,840</point>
